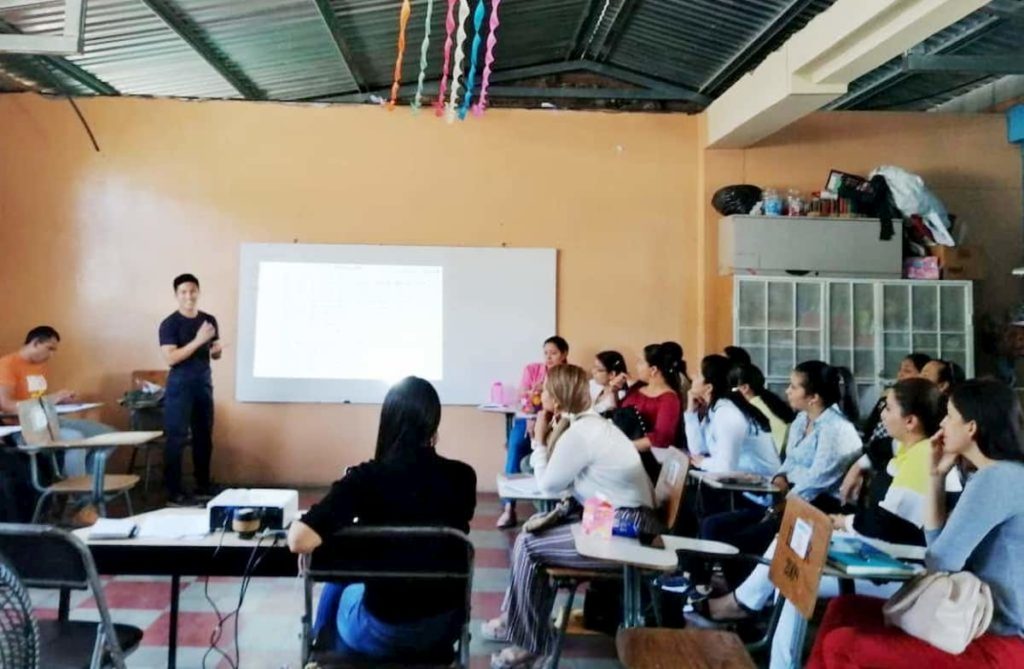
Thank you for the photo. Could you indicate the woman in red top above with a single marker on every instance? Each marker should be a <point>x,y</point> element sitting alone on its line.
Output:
<point>662,373</point>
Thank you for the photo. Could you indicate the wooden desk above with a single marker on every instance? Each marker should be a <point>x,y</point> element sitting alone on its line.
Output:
<point>187,556</point>
<point>633,557</point>
<point>524,487</point>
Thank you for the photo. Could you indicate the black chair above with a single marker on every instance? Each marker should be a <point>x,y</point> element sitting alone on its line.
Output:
<point>19,630</point>
<point>50,558</point>
<point>442,558</point>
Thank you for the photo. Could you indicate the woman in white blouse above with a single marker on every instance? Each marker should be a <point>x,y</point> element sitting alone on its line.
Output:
<point>588,453</point>
<point>725,432</point>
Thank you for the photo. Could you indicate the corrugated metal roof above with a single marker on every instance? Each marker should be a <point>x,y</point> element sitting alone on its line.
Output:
<point>285,49</point>
<point>688,42</point>
<point>283,46</point>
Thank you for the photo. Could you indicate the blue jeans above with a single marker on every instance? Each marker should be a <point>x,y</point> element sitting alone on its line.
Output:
<point>360,631</point>
<point>518,447</point>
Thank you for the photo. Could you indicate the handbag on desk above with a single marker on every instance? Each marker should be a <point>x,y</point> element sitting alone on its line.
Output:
<point>945,610</point>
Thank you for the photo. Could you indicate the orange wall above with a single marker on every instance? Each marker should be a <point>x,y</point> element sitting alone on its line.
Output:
<point>90,241</point>
<point>965,159</point>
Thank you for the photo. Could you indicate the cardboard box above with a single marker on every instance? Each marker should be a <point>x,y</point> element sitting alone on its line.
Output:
<point>921,268</point>
<point>960,262</point>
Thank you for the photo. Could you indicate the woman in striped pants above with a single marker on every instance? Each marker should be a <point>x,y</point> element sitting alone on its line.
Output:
<point>593,457</point>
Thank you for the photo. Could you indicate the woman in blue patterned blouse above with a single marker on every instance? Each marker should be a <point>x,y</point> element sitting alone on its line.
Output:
<point>823,443</point>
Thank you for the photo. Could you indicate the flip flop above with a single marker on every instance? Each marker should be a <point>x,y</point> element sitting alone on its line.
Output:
<point>515,657</point>
<point>495,629</point>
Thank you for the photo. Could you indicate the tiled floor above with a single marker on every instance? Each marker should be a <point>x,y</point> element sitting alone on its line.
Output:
<point>269,624</point>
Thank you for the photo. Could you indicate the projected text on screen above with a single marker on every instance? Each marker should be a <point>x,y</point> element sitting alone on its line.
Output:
<point>348,321</point>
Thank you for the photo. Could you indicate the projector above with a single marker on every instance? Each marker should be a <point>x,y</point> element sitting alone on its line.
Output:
<point>274,508</point>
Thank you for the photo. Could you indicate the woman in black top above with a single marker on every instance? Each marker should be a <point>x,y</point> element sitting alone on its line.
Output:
<point>406,483</point>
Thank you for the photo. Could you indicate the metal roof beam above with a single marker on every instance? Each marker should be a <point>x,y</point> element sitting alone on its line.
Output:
<point>755,48</point>
<point>197,40</point>
<point>70,41</point>
<point>994,65</point>
<point>333,26</point>
<point>654,89</point>
<point>609,42</point>
<point>64,66</point>
<point>898,74</point>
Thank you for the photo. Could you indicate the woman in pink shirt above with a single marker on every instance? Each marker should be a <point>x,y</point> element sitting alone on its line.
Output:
<point>556,352</point>
<point>662,371</point>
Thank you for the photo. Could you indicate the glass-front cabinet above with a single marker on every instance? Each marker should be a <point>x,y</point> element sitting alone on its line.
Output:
<point>866,325</point>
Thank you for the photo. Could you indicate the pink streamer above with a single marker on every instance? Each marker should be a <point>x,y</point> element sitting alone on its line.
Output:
<point>492,40</point>
<point>449,23</point>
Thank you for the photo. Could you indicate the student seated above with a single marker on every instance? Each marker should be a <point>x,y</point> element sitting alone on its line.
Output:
<point>661,383</point>
<point>910,367</point>
<point>914,408</point>
<point>724,432</point>
<point>750,382</point>
<point>945,375</point>
<point>556,352</point>
<point>606,380</point>
<point>822,444</point>
<point>406,483</point>
<point>984,535</point>
<point>23,376</point>
<point>595,458</point>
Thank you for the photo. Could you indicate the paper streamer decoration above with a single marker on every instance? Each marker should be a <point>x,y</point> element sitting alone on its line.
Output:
<point>418,100</point>
<point>478,21</point>
<point>449,24</point>
<point>460,42</point>
<point>403,22</point>
<point>492,39</point>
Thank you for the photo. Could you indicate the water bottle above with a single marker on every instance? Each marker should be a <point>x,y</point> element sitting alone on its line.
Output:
<point>497,393</point>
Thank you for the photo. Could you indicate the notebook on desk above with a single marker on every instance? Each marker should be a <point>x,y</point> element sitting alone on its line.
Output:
<point>856,557</point>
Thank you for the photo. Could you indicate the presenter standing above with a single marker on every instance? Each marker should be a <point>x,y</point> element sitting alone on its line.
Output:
<point>188,340</point>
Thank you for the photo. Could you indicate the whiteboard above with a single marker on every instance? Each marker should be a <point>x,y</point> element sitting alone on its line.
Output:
<point>341,323</point>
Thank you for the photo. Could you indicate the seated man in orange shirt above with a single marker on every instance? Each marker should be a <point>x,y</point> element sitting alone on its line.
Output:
<point>23,376</point>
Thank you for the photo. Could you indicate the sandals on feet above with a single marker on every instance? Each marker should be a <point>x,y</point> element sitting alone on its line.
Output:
<point>495,629</point>
<point>515,657</point>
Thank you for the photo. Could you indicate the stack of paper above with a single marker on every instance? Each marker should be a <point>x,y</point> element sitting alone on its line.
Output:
<point>113,528</point>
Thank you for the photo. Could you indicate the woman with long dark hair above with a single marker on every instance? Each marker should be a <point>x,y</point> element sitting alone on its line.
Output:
<point>823,443</point>
<point>749,381</point>
<point>724,432</point>
<point>556,352</point>
<point>406,483</point>
<point>984,535</point>
<point>606,378</point>
<point>663,382</point>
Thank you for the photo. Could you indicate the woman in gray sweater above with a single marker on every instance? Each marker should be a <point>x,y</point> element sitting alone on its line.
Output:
<point>984,535</point>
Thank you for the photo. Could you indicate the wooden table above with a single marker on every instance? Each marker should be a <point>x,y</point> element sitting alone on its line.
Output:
<point>208,554</point>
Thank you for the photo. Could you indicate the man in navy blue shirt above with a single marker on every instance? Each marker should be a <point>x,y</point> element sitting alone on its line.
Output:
<point>188,340</point>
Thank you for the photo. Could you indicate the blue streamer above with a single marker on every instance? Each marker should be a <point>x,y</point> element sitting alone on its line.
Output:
<point>478,21</point>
